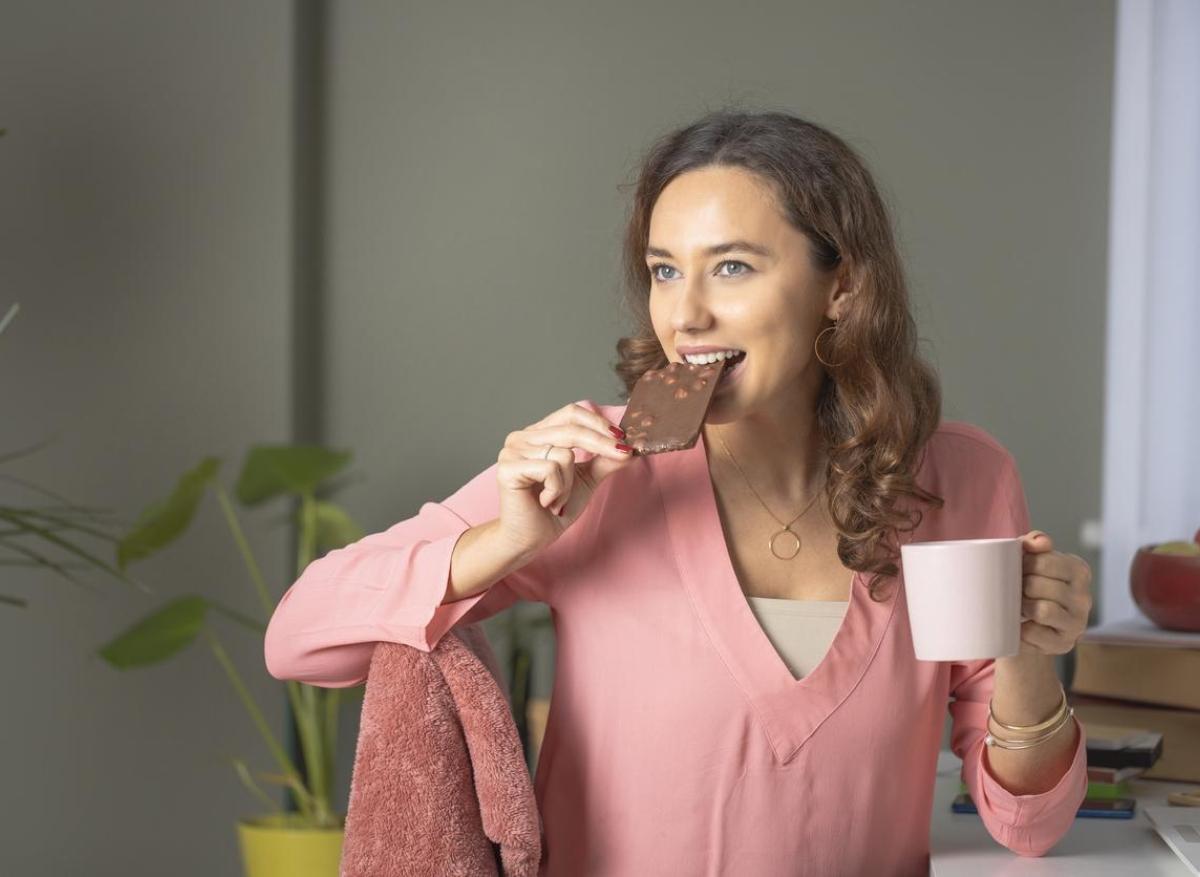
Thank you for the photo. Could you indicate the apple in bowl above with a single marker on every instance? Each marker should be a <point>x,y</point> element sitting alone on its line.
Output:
<point>1165,581</point>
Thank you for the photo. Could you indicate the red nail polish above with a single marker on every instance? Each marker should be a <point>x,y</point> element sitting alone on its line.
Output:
<point>623,447</point>
<point>617,432</point>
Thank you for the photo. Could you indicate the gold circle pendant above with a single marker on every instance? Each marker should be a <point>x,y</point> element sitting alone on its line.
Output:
<point>795,540</point>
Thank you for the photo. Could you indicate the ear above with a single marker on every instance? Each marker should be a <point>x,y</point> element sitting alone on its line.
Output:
<point>840,293</point>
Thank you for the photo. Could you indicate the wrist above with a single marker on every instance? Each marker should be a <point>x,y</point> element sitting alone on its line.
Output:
<point>1026,690</point>
<point>516,551</point>
<point>482,556</point>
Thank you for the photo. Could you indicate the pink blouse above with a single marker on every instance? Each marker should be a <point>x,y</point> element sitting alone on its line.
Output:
<point>678,741</point>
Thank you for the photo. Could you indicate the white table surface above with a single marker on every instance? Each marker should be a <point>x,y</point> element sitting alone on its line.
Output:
<point>961,847</point>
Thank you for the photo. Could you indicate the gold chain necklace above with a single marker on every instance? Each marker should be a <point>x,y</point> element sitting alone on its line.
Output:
<point>787,528</point>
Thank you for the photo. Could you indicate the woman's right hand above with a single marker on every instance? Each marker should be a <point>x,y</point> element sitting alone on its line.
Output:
<point>541,496</point>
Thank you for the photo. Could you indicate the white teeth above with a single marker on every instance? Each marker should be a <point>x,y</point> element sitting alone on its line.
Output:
<point>704,358</point>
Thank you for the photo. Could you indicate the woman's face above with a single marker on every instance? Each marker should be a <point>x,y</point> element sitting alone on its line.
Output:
<point>769,304</point>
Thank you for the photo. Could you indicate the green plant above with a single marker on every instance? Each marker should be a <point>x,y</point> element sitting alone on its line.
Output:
<point>43,525</point>
<point>269,473</point>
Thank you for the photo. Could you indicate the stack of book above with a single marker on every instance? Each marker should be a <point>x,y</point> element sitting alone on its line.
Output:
<point>1111,782</point>
<point>1136,690</point>
<point>1115,755</point>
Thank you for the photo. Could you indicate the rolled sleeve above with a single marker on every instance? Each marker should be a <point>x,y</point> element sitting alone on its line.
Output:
<point>1029,825</point>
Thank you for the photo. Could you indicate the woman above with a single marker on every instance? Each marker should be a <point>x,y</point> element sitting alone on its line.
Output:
<point>693,730</point>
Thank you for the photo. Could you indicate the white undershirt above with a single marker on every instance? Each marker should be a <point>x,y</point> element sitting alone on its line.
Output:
<point>800,630</point>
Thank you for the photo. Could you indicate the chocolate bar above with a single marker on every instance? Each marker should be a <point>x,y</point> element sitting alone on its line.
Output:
<point>667,407</point>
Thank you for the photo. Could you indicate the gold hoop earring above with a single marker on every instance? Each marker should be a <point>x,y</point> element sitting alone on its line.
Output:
<point>816,343</point>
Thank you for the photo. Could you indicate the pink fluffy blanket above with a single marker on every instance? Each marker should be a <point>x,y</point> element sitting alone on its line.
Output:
<point>440,785</point>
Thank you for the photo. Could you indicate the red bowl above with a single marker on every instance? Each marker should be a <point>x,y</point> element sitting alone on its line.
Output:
<point>1166,587</point>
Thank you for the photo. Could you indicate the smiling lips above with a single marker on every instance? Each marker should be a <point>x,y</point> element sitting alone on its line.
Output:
<point>727,362</point>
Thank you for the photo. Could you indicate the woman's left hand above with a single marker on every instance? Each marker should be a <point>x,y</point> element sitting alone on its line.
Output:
<point>1056,598</point>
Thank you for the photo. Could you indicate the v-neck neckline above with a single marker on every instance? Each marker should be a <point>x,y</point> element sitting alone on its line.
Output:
<point>790,709</point>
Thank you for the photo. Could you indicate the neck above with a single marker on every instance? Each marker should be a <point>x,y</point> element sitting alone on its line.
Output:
<point>782,456</point>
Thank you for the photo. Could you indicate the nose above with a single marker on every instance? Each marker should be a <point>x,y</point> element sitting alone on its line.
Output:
<point>690,313</point>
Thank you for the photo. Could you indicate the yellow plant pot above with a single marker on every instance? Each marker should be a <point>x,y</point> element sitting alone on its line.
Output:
<point>276,845</point>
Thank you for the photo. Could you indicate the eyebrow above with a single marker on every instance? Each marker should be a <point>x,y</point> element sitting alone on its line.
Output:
<point>718,249</point>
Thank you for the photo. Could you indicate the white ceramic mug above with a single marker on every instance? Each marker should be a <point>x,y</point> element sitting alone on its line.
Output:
<point>964,598</point>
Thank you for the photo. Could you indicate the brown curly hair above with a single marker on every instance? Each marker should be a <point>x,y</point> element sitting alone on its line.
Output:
<point>880,402</point>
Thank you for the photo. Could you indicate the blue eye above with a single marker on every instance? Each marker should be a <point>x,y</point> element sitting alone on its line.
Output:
<point>735,262</point>
<point>654,269</point>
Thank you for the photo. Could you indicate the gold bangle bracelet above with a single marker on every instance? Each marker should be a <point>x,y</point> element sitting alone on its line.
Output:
<point>1040,726</point>
<point>1005,743</point>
